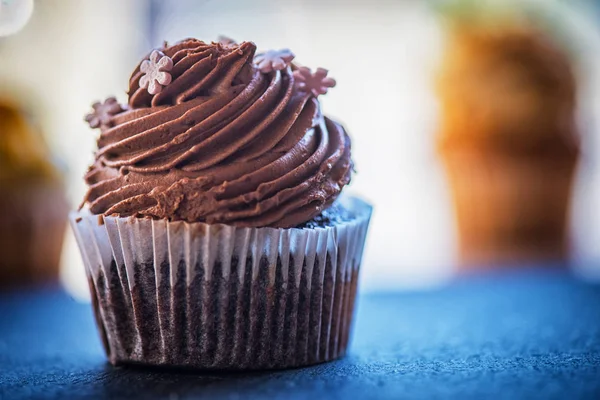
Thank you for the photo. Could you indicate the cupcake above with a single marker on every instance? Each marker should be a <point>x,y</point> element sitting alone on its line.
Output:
<point>508,141</point>
<point>33,207</point>
<point>213,233</point>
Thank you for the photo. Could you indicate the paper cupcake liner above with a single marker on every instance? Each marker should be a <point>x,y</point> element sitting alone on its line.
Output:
<point>220,297</point>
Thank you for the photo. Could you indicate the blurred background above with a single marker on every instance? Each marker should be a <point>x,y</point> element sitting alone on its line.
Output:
<point>407,72</point>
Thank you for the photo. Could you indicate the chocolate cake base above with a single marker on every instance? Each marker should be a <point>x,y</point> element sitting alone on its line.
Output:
<point>235,323</point>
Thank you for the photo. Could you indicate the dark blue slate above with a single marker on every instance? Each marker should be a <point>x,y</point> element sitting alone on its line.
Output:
<point>532,334</point>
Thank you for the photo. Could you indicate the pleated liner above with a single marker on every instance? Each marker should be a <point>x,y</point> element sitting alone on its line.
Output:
<point>219,297</point>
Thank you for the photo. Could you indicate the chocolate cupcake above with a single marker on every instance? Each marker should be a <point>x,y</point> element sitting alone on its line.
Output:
<point>212,233</point>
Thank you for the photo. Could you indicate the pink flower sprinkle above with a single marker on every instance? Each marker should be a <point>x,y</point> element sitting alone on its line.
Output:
<point>103,112</point>
<point>156,72</point>
<point>316,83</point>
<point>274,60</point>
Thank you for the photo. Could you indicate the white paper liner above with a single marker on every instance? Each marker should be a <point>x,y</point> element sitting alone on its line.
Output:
<point>220,297</point>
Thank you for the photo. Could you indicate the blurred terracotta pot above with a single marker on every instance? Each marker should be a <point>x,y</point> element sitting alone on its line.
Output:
<point>510,209</point>
<point>32,227</point>
<point>509,142</point>
<point>33,207</point>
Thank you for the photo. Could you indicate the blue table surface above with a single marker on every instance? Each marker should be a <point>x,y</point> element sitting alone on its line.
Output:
<point>528,334</point>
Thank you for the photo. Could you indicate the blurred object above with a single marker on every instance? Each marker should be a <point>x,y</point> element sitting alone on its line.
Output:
<point>508,139</point>
<point>92,62</point>
<point>33,208</point>
<point>14,15</point>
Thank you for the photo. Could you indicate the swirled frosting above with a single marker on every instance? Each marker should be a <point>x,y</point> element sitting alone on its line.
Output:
<point>221,143</point>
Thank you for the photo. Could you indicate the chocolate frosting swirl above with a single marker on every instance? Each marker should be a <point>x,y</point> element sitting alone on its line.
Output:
<point>222,143</point>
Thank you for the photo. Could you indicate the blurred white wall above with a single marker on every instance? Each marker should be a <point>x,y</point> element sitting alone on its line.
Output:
<point>382,54</point>
<point>583,25</point>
